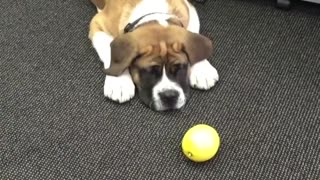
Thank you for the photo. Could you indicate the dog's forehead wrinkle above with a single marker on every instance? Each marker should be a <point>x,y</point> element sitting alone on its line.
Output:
<point>162,56</point>
<point>163,48</point>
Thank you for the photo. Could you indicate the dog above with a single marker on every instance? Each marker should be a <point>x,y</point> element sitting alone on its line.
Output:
<point>153,46</point>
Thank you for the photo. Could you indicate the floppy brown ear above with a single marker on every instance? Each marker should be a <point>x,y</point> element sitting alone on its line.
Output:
<point>198,47</point>
<point>123,51</point>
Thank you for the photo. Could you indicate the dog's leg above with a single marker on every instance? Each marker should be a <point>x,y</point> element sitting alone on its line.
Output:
<point>101,43</point>
<point>202,75</point>
<point>120,88</point>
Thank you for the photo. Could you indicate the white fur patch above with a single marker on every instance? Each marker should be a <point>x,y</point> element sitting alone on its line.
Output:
<point>120,89</point>
<point>151,6</point>
<point>203,75</point>
<point>163,85</point>
<point>194,22</point>
<point>101,42</point>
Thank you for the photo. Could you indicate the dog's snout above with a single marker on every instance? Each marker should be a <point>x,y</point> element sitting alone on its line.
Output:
<point>169,97</point>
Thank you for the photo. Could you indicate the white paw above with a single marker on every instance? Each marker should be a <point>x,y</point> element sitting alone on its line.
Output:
<point>203,75</point>
<point>120,89</point>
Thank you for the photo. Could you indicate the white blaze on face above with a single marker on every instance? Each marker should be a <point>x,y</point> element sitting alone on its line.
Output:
<point>163,85</point>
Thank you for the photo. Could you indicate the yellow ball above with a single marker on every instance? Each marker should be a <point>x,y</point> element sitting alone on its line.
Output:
<point>200,143</point>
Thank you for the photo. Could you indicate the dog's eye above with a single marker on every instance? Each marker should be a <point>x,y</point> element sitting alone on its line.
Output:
<point>156,70</point>
<point>179,66</point>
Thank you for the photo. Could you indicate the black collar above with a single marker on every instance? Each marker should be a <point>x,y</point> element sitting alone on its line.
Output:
<point>201,1</point>
<point>131,26</point>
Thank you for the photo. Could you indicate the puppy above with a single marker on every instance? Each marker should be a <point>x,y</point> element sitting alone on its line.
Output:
<point>154,46</point>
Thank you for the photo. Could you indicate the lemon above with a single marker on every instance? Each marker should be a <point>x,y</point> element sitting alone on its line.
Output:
<point>200,143</point>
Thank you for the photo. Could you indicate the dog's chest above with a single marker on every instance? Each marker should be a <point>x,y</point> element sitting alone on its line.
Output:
<point>149,6</point>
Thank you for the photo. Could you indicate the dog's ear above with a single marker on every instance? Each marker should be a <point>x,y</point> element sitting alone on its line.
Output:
<point>123,50</point>
<point>197,47</point>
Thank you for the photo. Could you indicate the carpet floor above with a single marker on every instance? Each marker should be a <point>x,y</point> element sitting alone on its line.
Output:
<point>56,124</point>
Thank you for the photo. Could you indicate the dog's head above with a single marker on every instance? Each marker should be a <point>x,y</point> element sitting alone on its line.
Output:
<point>159,59</point>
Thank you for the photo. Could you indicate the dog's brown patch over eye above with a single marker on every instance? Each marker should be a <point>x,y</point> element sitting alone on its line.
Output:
<point>174,69</point>
<point>154,70</point>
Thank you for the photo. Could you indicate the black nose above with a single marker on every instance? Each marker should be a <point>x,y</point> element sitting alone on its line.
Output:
<point>169,97</point>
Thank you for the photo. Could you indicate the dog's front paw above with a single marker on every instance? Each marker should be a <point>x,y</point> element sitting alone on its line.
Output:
<point>120,89</point>
<point>203,75</point>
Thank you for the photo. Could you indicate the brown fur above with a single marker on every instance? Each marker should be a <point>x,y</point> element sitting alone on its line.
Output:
<point>180,9</point>
<point>127,47</point>
<point>174,55</point>
<point>98,3</point>
<point>113,17</point>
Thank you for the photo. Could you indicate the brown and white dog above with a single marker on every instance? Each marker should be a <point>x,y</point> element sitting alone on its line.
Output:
<point>153,45</point>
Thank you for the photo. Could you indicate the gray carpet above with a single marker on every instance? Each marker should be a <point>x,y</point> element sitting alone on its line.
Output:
<point>56,124</point>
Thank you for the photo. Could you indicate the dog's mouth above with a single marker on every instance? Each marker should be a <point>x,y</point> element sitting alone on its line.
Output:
<point>168,100</point>
<point>171,100</point>
<point>162,107</point>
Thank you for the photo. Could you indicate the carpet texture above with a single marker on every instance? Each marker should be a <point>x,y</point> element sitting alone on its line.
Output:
<point>56,124</point>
